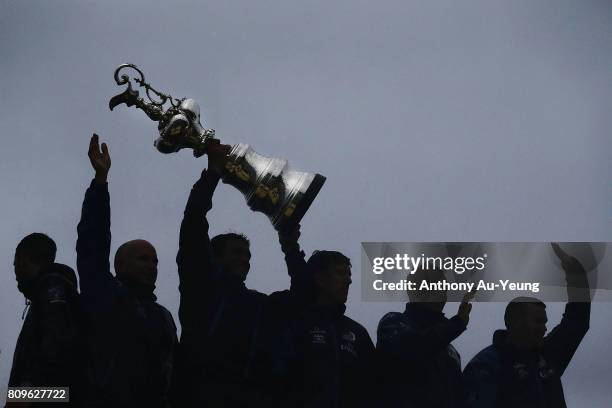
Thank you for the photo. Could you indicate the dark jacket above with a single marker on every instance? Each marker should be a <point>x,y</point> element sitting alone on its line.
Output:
<point>504,376</point>
<point>320,358</point>
<point>220,318</point>
<point>46,353</point>
<point>418,365</point>
<point>130,339</point>
<point>326,359</point>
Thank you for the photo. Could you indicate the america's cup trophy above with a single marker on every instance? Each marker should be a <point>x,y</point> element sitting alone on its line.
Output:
<point>268,184</point>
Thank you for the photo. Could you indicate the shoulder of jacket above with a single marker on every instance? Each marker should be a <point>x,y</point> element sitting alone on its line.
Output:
<point>256,294</point>
<point>163,309</point>
<point>279,298</point>
<point>54,287</point>
<point>166,315</point>
<point>54,279</point>
<point>353,325</point>
<point>488,357</point>
<point>390,318</point>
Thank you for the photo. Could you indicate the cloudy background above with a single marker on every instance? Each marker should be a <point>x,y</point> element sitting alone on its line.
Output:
<point>432,120</point>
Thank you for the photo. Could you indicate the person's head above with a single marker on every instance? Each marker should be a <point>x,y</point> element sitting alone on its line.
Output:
<point>136,263</point>
<point>66,272</point>
<point>232,253</point>
<point>331,276</point>
<point>525,320</point>
<point>33,253</point>
<point>432,299</point>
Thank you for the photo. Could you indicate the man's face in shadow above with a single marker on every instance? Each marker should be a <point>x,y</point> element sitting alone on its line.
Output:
<point>333,283</point>
<point>137,261</point>
<point>25,271</point>
<point>432,299</point>
<point>235,258</point>
<point>530,328</point>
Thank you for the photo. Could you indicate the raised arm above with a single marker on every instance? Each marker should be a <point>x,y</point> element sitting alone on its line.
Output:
<point>575,276</point>
<point>195,259</point>
<point>300,286</point>
<point>94,237</point>
<point>399,341</point>
<point>563,341</point>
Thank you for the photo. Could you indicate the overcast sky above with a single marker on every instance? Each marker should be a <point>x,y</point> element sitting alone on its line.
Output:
<point>432,121</point>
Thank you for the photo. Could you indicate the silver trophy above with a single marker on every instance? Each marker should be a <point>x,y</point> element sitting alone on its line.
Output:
<point>268,184</point>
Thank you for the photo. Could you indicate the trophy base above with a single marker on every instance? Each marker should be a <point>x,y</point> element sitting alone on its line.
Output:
<point>303,204</point>
<point>308,198</point>
<point>270,186</point>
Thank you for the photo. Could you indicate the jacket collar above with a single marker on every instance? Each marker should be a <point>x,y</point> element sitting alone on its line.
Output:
<point>330,311</point>
<point>140,292</point>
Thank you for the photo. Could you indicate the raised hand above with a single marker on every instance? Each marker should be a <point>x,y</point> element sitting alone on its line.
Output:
<point>217,156</point>
<point>569,263</point>
<point>289,238</point>
<point>465,307</point>
<point>100,159</point>
<point>575,276</point>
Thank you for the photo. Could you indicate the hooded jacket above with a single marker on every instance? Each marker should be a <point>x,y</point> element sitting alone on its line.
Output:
<point>418,365</point>
<point>503,376</point>
<point>130,338</point>
<point>46,352</point>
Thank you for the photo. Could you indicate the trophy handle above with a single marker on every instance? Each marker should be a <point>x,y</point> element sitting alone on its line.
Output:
<point>154,108</point>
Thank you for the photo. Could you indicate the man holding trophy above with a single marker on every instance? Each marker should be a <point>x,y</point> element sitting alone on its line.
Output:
<point>220,317</point>
<point>240,347</point>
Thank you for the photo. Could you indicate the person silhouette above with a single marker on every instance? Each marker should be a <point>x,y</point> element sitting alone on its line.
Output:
<point>418,365</point>
<point>321,357</point>
<point>131,339</point>
<point>46,353</point>
<point>220,317</point>
<point>523,367</point>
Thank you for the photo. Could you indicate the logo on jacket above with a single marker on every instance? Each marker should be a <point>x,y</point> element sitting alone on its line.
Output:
<point>56,295</point>
<point>349,336</point>
<point>348,343</point>
<point>520,370</point>
<point>318,335</point>
<point>544,370</point>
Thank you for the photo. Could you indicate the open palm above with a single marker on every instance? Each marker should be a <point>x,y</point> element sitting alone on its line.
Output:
<point>99,158</point>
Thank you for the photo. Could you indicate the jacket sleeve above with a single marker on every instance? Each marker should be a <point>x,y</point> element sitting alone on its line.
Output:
<point>367,377</point>
<point>169,362</point>
<point>93,242</point>
<point>399,341</point>
<point>563,341</point>
<point>194,258</point>
<point>57,331</point>
<point>301,286</point>
<point>480,378</point>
